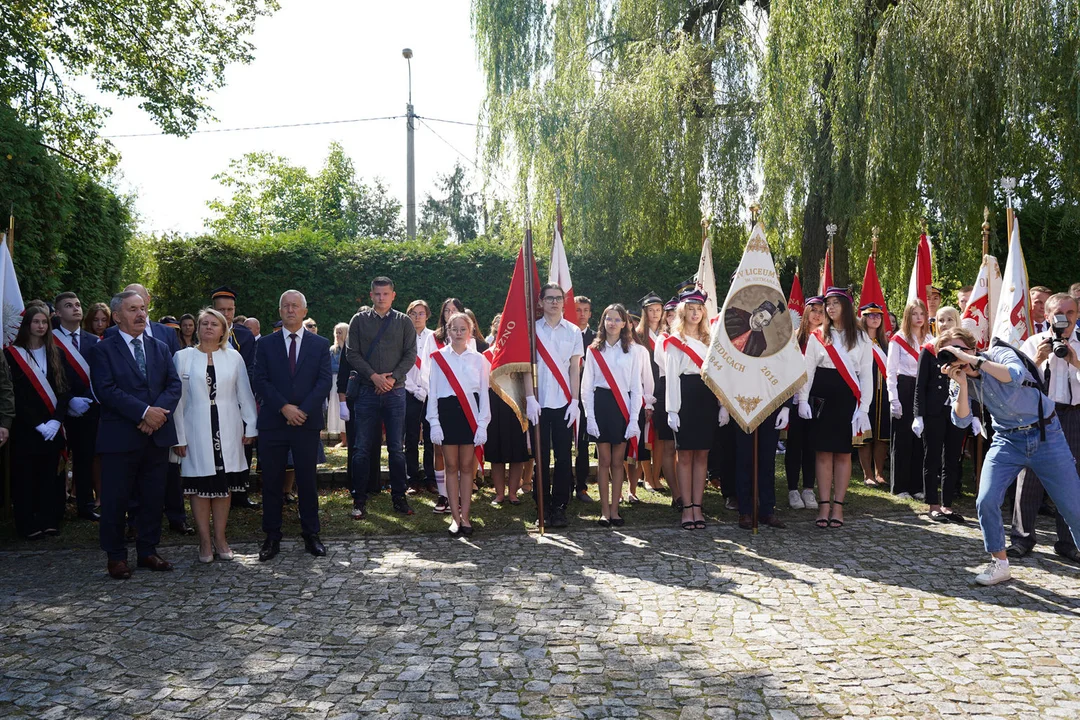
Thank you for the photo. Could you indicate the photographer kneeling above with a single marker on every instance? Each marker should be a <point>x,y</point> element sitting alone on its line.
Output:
<point>1027,436</point>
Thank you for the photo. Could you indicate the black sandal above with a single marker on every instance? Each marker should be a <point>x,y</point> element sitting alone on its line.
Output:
<point>823,522</point>
<point>689,524</point>
<point>833,522</point>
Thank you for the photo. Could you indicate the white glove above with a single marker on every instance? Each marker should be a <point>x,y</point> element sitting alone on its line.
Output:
<point>436,435</point>
<point>805,412</point>
<point>782,418</point>
<point>976,426</point>
<point>49,429</point>
<point>343,411</point>
<point>532,410</point>
<point>632,430</point>
<point>724,416</point>
<point>917,426</point>
<point>673,421</point>
<point>592,428</point>
<point>480,436</point>
<point>895,409</point>
<point>572,413</point>
<point>861,422</point>
<point>78,405</point>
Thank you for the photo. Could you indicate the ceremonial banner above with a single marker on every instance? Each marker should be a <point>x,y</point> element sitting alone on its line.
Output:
<point>509,353</point>
<point>922,272</point>
<point>10,294</point>
<point>754,364</point>
<point>796,303</point>
<point>978,317</point>
<point>559,271</point>
<point>871,292</point>
<point>1012,318</point>
<point>706,278</point>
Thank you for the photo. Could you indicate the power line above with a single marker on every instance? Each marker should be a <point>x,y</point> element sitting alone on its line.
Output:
<point>463,155</point>
<point>266,127</point>
<point>451,122</point>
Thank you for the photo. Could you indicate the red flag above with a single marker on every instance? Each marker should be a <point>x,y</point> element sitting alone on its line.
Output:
<point>826,273</point>
<point>559,272</point>
<point>796,302</point>
<point>922,272</point>
<point>509,352</point>
<point>871,293</point>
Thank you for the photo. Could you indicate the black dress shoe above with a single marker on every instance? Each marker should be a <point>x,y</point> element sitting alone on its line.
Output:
<point>269,550</point>
<point>1016,550</point>
<point>314,545</point>
<point>244,502</point>
<point>1067,550</point>
<point>91,515</point>
<point>401,505</point>
<point>558,518</point>
<point>130,534</point>
<point>181,528</point>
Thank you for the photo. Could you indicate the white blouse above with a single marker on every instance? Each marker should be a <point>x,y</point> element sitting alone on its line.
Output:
<point>423,352</point>
<point>676,364</point>
<point>658,350</point>
<point>473,373</point>
<point>625,368</point>
<point>648,386</point>
<point>899,362</point>
<point>413,384</point>
<point>862,362</point>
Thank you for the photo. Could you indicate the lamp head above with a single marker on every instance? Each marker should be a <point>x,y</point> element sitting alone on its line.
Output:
<point>407,53</point>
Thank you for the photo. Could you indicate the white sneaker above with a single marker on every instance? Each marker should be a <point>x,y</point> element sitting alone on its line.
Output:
<point>919,496</point>
<point>904,496</point>
<point>795,500</point>
<point>997,571</point>
<point>809,500</point>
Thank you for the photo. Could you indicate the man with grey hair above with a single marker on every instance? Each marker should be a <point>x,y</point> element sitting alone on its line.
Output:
<point>153,329</point>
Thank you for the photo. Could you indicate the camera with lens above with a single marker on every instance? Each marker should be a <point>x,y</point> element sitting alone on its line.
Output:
<point>1061,328</point>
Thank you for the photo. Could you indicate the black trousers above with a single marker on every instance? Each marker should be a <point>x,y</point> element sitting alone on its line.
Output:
<point>274,447</point>
<point>943,444</point>
<point>581,462</point>
<point>906,449</point>
<point>124,475</point>
<point>722,454</point>
<point>1029,489</point>
<point>555,438</point>
<point>415,433</point>
<point>81,441</point>
<point>767,436</point>
<point>175,512</point>
<point>38,494</point>
<point>799,455</point>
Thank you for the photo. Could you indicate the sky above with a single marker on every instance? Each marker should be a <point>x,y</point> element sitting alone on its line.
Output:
<point>317,60</point>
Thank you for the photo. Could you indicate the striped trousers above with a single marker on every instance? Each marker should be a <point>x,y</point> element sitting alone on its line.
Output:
<point>1029,489</point>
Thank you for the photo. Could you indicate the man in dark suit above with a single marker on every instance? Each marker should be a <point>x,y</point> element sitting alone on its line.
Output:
<point>292,380</point>
<point>136,383</point>
<point>243,341</point>
<point>153,329</point>
<point>81,421</point>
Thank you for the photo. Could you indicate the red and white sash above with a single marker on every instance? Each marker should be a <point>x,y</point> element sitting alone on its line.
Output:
<point>468,402</point>
<point>74,357</point>
<point>686,349</point>
<point>879,358</point>
<point>618,392</point>
<point>36,376</point>
<point>899,340</point>
<point>842,363</point>
<point>556,371</point>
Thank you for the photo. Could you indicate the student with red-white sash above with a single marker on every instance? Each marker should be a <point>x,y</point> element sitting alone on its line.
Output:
<point>639,456</point>
<point>611,393</point>
<point>692,409</point>
<point>40,386</point>
<point>555,410</point>
<point>800,456</point>
<point>81,423</point>
<point>416,427</point>
<point>875,444</point>
<point>664,438</point>
<point>839,386</point>
<point>648,338</point>
<point>902,367</point>
<point>458,412</point>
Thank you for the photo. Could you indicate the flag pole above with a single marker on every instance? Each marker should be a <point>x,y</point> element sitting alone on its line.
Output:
<point>754,209</point>
<point>831,230</point>
<point>985,252</point>
<point>530,317</point>
<point>7,448</point>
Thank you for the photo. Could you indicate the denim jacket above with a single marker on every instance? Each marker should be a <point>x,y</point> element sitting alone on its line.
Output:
<point>1012,404</point>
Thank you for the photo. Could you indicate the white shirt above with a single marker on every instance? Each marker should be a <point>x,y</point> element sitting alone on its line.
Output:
<point>423,352</point>
<point>676,364</point>
<point>40,358</point>
<point>473,374</point>
<point>289,341</point>
<point>861,358</point>
<point>1040,327</point>
<point>645,371</point>
<point>625,368</point>
<point>131,349</point>
<point>1064,378</point>
<point>658,349</point>
<point>899,362</point>
<point>564,343</point>
<point>413,383</point>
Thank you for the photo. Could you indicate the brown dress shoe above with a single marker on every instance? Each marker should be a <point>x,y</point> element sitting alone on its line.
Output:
<point>746,522</point>
<point>155,562</point>
<point>773,521</point>
<point>119,570</point>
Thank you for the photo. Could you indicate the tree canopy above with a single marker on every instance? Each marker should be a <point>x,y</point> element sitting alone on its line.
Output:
<point>455,215</point>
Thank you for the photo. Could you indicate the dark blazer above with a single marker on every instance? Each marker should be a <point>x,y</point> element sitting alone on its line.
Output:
<point>275,387</point>
<point>164,333</point>
<point>86,343</point>
<point>931,388</point>
<point>245,345</point>
<point>30,410</point>
<point>125,394</point>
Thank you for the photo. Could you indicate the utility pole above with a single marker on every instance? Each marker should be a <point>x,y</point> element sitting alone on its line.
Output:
<point>410,174</point>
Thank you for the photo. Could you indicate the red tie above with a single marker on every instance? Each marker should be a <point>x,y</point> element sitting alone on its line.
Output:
<point>292,354</point>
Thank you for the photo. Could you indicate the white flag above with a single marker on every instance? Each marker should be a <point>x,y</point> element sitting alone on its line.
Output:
<point>559,272</point>
<point>978,316</point>
<point>706,278</point>
<point>1012,318</point>
<point>9,293</point>
<point>754,364</point>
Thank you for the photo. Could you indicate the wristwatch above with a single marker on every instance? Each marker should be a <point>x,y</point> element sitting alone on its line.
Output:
<point>979,362</point>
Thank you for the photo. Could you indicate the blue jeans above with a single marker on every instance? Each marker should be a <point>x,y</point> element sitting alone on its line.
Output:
<point>1012,451</point>
<point>371,413</point>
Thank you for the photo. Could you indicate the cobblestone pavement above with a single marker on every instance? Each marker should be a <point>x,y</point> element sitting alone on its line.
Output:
<point>658,623</point>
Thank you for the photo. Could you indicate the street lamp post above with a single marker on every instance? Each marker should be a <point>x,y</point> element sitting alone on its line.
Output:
<point>410,174</point>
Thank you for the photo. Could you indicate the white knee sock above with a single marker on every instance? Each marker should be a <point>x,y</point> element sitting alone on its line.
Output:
<point>440,481</point>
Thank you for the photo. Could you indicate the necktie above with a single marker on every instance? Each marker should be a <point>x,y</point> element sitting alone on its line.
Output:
<point>75,340</point>
<point>292,353</point>
<point>140,356</point>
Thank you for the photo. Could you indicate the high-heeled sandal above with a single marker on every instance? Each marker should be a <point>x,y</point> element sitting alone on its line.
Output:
<point>833,522</point>
<point>689,524</point>
<point>823,522</point>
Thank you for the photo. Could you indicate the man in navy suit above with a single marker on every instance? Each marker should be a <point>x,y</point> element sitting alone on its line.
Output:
<point>292,380</point>
<point>155,330</point>
<point>81,422</point>
<point>136,383</point>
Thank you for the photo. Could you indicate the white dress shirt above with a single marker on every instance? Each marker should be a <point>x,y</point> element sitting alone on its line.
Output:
<point>473,373</point>
<point>676,364</point>
<point>423,352</point>
<point>564,343</point>
<point>413,381</point>
<point>899,362</point>
<point>862,361</point>
<point>658,350</point>
<point>625,368</point>
<point>648,387</point>
<point>131,349</point>
<point>1064,378</point>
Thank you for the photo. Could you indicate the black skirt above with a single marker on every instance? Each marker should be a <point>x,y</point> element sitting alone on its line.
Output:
<point>455,427</point>
<point>506,441</point>
<point>880,415</point>
<point>834,407</point>
<point>221,484</point>
<point>644,453</point>
<point>663,432</point>
<point>609,419</point>
<point>698,417</point>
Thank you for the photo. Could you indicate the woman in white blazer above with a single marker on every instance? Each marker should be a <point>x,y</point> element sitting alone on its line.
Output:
<point>215,418</point>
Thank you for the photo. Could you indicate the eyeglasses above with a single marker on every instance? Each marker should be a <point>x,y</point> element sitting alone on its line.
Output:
<point>311,325</point>
<point>417,314</point>
<point>554,299</point>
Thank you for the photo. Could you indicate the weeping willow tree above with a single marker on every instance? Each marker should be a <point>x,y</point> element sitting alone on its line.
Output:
<point>640,112</point>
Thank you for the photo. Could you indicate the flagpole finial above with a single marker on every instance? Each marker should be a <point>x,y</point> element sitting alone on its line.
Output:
<point>755,210</point>
<point>1008,186</point>
<point>874,232</point>
<point>923,225</point>
<point>831,230</point>
<point>986,230</point>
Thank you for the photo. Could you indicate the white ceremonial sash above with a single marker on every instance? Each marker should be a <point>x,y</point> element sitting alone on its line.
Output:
<point>74,357</point>
<point>37,377</point>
